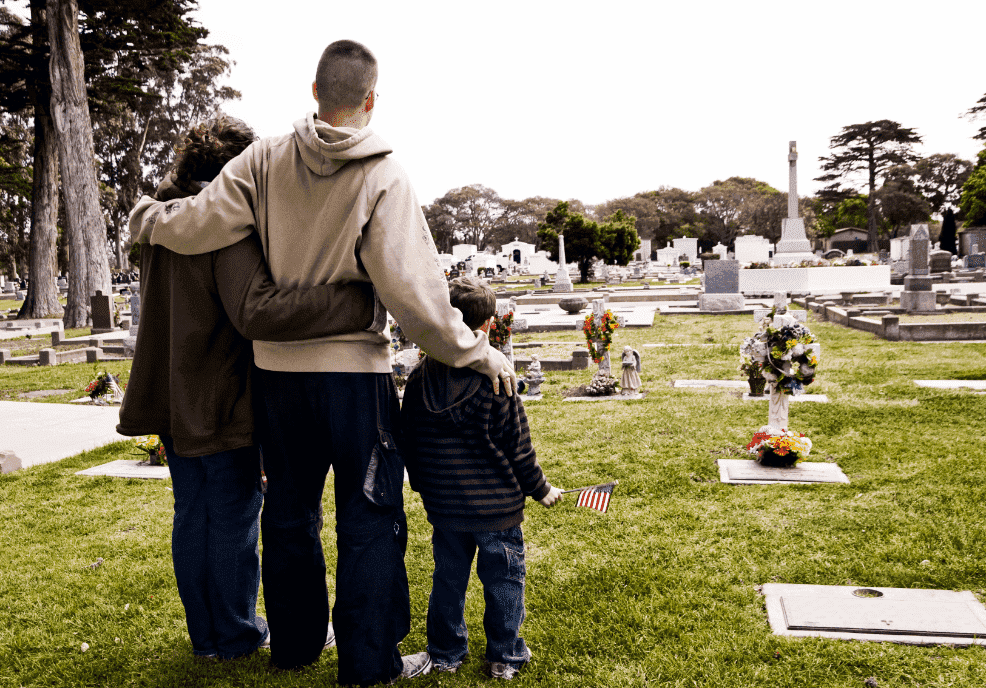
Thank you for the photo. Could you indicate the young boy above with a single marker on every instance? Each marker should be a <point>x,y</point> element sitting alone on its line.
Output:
<point>468,452</point>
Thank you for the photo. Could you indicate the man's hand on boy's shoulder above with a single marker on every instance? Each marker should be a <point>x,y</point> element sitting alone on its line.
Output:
<point>554,496</point>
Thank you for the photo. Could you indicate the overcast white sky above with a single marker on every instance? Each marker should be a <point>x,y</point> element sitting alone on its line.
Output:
<point>546,98</point>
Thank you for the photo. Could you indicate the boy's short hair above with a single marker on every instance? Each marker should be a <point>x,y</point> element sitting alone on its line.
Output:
<point>474,298</point>
<point>209,145</point>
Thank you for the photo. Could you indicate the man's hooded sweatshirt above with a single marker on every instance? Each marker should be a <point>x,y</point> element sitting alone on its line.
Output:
<point>467,451</point>
<point>331,206</point>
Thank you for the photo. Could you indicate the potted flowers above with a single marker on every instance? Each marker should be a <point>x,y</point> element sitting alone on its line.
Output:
<point>105,384</point>
<point>151,445</point>
<point>778,447</point>
<point>753,370</point>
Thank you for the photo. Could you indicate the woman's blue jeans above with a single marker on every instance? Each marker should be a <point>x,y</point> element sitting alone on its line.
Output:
<point>214,548</point>
<point>500,566</point>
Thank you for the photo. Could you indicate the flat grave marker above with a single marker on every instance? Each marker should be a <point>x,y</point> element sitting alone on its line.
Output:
<point>820,398</point>
<point>703,384</point>
<point>900,615</point>
<point>126,468</point>
<point>749,472</point>
<point>951,384</point>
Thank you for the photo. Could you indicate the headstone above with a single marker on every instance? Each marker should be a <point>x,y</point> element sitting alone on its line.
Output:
<point>687,246</point>
<point>130,343</point>
<point>975,261</point>
<point>917,295</point>
<point>751,248</point>
<point>940,261</point>
<point>722,291</point>
<point>720,251</point>
<point>102,312</point>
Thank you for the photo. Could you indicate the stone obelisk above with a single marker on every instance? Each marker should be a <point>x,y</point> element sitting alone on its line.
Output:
<point>794,246</point>
<point>562,281</point>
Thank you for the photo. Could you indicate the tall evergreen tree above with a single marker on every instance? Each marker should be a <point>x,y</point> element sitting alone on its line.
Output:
<point>871,148</point>
<point>948,231</point>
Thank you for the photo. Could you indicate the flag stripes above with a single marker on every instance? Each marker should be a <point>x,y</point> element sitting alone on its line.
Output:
<point>596,497</point>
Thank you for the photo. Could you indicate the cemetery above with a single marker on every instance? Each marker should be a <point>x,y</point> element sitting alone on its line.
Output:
<point>708,566</point>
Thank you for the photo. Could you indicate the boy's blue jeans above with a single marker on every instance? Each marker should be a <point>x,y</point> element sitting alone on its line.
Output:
<point>214,548</point>
<point>500,566</point>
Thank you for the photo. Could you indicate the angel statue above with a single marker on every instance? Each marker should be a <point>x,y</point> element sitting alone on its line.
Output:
<point>630,382</point>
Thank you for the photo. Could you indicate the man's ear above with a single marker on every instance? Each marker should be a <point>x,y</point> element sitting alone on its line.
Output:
<point>314,90</point>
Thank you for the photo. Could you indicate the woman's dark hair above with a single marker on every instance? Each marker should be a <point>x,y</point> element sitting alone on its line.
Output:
<point>209,145</point>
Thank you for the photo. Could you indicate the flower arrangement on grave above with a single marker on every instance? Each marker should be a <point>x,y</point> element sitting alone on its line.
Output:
<point>151,445</point>
<point>602,385</point>
<point>499,331</point>
<point>782,348</point>
<point>397,339</point>
<point>758,266</point>
<point>753,369</point>
<point>104,383</point>
<point>601,333</point>
<point>779,447</point>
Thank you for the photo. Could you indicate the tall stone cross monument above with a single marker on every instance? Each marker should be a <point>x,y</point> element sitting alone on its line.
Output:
<point>562,281</point>
<point>794,246</point>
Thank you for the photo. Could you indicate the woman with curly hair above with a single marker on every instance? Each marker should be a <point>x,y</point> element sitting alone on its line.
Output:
<point>193,383</point>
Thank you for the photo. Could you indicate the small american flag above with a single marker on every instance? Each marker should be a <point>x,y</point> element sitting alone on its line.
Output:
<point>596,497</point>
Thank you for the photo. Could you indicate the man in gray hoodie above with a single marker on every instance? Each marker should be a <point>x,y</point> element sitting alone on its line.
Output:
<point>331,206</point>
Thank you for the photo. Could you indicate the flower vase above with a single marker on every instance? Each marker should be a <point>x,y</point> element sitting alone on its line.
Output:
<point>770,458</point>
<point>757,385</point>
<point>778,409</point>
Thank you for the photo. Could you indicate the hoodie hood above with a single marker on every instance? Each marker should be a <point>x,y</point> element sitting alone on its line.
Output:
<point>445,389</point>
<point>325,149</point>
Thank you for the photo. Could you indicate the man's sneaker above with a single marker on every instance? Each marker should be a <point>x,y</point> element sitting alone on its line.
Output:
<point>330,638</point>
<point>416,665</point>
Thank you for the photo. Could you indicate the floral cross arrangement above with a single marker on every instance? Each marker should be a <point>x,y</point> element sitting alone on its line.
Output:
<point>104,383</point>
<point>774,447</point>
<point>500,329</point>
<point>151,445</point>
<point>601,332</point>
<point>782,348</point>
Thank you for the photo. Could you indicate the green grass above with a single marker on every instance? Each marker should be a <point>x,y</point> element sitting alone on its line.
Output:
<point>659,591</point>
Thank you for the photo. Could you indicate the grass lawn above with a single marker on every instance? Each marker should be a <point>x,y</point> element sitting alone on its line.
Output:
<point>660,591</point>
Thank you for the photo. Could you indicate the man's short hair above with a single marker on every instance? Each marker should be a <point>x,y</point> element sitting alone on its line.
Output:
<point>346,72</point>
<point>474,298</point>
<point>209,145</point>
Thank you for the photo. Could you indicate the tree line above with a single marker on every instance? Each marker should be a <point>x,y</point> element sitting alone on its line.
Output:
<point>93,96</point>
<point>876,181</point>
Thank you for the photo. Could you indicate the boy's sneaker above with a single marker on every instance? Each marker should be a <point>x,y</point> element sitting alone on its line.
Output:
<point>415,665</point>
<point>445,667</point>
<point>505,671</point>
<point>501,670</point>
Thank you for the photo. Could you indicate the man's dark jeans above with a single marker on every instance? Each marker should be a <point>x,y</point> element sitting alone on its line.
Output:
<point>214,548</point>
<point>501,569</point>
<point>342,420</point>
